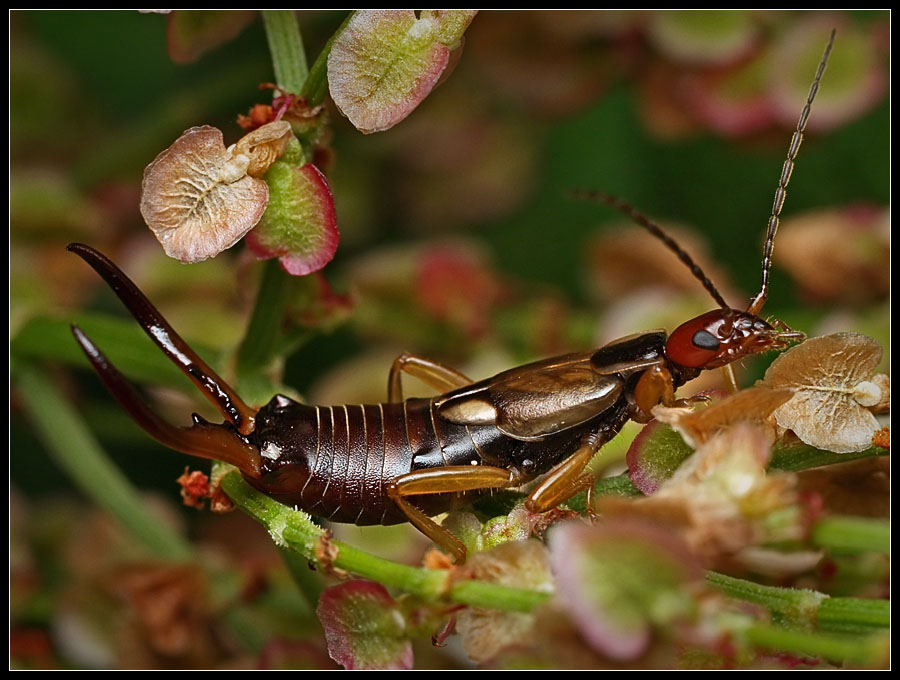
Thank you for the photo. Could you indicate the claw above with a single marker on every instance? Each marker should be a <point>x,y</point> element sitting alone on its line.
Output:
<point>202,439</point>
<point>228,441</point>
<point>229,404</point>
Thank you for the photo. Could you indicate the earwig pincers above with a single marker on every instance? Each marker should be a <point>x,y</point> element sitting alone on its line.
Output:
<point>409,460</point>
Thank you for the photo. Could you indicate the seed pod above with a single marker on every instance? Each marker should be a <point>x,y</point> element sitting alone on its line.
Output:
<point>198,198</point>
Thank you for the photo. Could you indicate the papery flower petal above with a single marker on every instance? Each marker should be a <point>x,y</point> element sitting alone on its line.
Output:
<point>197,197</point>
<point>384,63</point>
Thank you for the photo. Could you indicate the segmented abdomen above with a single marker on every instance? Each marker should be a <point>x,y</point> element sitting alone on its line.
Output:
<point>338,461</point>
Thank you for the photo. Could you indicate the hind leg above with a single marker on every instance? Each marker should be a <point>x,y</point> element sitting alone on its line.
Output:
<point>442,378</point>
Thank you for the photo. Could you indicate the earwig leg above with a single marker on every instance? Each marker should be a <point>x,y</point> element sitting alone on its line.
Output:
<point>222,396</point>
<point>655,386</point>
<point>450,479</point>
<point>202,439</point>
<point>730,378</point>
<point>442,378</point>
<point>565,480</point>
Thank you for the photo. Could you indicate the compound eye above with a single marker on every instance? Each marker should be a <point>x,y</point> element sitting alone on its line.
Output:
<point>703,339</point>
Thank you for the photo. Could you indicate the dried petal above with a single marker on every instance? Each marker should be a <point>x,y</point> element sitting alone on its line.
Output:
<point>718,498</point>
<point>384,63</point>
<point>300,224</point>
<point>193,33</point>
<point>520,564</point>
<point>883,382</point>
<point>698,425</point>
<point>838,255</point>
<point>620,581</point>
<point>825,375</point>
<point>364,627</point>
<point>197,197</point>
<point>717,37</point>
<point>733,102</point>
<point>856,70</point>
<point>264,145</point>
<point>730,465</point>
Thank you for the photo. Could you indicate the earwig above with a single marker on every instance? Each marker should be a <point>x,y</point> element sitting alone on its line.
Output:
<point>408,460</point>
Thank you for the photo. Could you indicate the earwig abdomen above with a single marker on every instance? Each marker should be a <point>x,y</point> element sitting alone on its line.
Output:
<point>337,462</point>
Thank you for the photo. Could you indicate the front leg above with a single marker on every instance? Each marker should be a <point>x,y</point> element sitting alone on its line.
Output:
<point>566,479</point>
<point>656,386</point>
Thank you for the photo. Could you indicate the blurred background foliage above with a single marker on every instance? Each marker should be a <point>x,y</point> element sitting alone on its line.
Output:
<point>460,240</point>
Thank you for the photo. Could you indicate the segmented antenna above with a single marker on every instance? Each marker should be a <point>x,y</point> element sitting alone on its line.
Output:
<point>757,303</point>
<point>658,232</point>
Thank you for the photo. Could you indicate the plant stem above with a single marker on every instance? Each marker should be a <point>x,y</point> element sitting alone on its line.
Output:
<point>286,48</point>
<point>316,86</point>
<point>793,605</point>
<point>264,330</point>
<point>854,615</point>
<point>263,334</point>
<point>809,608</point>
<point>853,534</point>
<point>295,529</point>
<point>78,454</point>
<point>803,457</point>
<point>869,651</point>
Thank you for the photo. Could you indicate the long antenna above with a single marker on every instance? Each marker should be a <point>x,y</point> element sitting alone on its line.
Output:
<point>658,232</point>
<point>757,303</point>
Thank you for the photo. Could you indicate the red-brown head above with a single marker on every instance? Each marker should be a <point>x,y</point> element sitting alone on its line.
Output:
<point>722,336</point>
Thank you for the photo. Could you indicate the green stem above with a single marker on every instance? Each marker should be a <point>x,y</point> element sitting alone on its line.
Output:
<point>264,330</point>
<point>493,596</point>
<point>854,615</point>
<point>75,450</point>
<point>263,335</point>
<point>809,608</point>
<point>286,48</point>
<point>792,605</point>
<point>869,651</point>
<point>316,86</point>
<point>853,534</point>
<point>803,457</point>
<point>295,529</point>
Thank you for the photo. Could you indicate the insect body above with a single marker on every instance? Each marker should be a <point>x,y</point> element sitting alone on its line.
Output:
<point>407,460</point>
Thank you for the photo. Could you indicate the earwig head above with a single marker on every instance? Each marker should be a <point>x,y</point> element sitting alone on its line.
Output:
<point>724,335</point>
<point>721,336</point>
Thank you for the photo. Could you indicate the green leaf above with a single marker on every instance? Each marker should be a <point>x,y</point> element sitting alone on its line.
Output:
<point>122,341</point>
<point>364,627</point>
